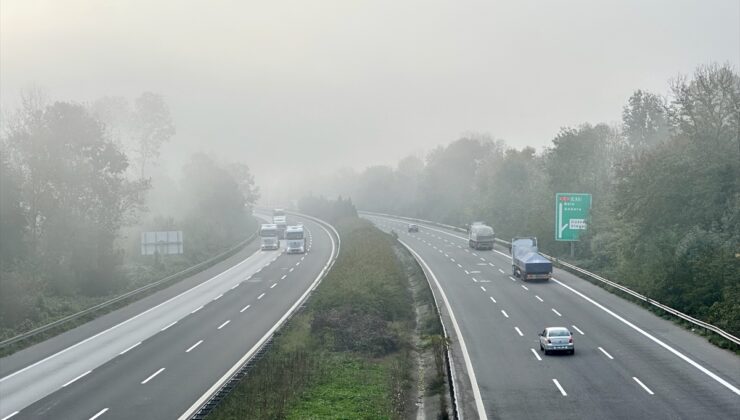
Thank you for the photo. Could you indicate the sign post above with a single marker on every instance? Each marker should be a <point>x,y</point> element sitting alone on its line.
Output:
<point>571,216</point>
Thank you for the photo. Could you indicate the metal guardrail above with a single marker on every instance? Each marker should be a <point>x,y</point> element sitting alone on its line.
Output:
<point>594,276</point>
<point>188,271</point>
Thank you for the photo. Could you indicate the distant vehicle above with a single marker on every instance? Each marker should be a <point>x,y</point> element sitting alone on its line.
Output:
<point>526,262</point>
<point>269,237</point>
<point>557,339</point>
<point>413,228</point>
<point>480,236</point>
<point>282,223</point>
<point>295,240</point>
<point>278,212</point>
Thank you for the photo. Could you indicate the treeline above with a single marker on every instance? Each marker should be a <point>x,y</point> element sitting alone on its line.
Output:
<point>665,185</point>
<point>78,185</point>
<point>330,211</point>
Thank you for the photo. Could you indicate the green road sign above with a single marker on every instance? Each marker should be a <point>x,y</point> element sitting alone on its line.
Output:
<point>571,215</point>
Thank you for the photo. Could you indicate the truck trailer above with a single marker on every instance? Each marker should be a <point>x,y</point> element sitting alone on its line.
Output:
<point>526,262</point>
<point>480,236</point>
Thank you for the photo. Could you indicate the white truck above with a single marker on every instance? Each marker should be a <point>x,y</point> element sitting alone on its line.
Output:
<point>480,236</point>
<point>269,237</point>
<point>295,240</point>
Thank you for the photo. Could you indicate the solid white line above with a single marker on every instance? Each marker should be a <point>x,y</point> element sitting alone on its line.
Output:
<point>197,309</point>
<point>193,346</point>
<point>152,376</point>
<point>607,354</point>
<point>260,296</point>
<point>168,326</point>
<point>536,355</point>
<point>483,288</point>
<point>539,298</point>
<point>283,277</point>
<point>218,297</point>
<point>504,312</point>
<point>125,351</point>
<point>100,413</point>
<point>84,374</point>
<point>13,414</point>
<point>655,340</point>
<point>643,386</point>
<point>519,331</point>
<point>557,384</point>
<point>224,324</point>
<point>556,312</point>
<point>578,329</point>
<point>245,308</point>
<point>235,286</point>
<point>524,287</point>
<point>273,285</point>
<point>501,271</point>
<point>512,278</point>
<point>492,299</point>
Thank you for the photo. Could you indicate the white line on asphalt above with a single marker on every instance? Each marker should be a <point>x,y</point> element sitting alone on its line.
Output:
<point>273,285</point>
<point>556,312</point>
<point>655,340</point>
<point>643,386</point>
<point>474,254</point>
<point>193,346</point>
<point>512,278</point>
<point>536,355</point>
<point>100,413</point>
<point>492,264</point>
<point>501,271</point>
<point>461,248</point>
<point>483,288</point>
<point>218,297</point>
<point>197,309</point>
<point>519,331</point>
<point>467,272</point>
<point>260,296</point>
<point>152,376</point>
<point>557,384</point>
<point>504,312</point>
<point>474,279</point>
<point>303,258</point>
<point>13,414</point>
<point>84,374</point>
<point>578,329</point>
<point>224,324</point>
<point>291,269</point>
<point>298,263</point>
<point>524,287</point>
<point>539,298</point>
<point>492,299</point>
<point>458,264</point>
<point>245,308</point>
<point>482,259</point>
<point>475,272</point>
<point>467,250</point>
<point>283,277</point>
<point>452,259</point>
<point>607,354</point>
<point>126,351</point>
<point>168,326</point>
<point>235,286</point>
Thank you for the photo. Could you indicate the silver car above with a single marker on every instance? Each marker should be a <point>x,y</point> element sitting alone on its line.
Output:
<point>557,339</point>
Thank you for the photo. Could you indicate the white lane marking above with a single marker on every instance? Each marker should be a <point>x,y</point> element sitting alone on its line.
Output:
<point>291,269</point>
<point>504,312</point>
<point>474,279</point>
<point>539,298</point>
<point>298,263</point>
<point>303,258</point>
<point>260,296</point>
<point>461,248</point>
<point>655,340</point>
<point>168,326</point>
<point>235,286</point>
<point>512,278</point>
<point>524,287</point>
<point>130,348</point>
<point>578,329</point>
<point>643,386</point>
<point>245,308</point>
<point>461,340</point>
<point>475,272</point>
<point>467,272</point>
<point>191,348</point>
<point>474,254</point>
<point>152,376</point>
<point>479,264</point>
<point>447,255</point>
<point>492,264</point>
<point>14,413</point>
<point>224,324</point>
<point>536,355</point>
<point>100,413</point>
<point>283,277</point>
<point>458,264</point>
<point>606,354</point>
<point>273,285</point>
<point>556,312</point>
<point>483,288</point>
<point>218,297</point>
<point>467,250</point>
<point>197,309</point>
<point>501,271</point>
<point>492,299</point>
<point>81,376</point>
<point>452,259</point>
<point>557,384</point>
<point>482,259</point>
<point>519,331</point>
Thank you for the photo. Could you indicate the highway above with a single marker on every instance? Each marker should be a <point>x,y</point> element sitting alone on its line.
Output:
<point>628,363</point>
<point>157,358</point>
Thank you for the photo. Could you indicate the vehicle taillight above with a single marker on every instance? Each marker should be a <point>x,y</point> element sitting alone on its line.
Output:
<point>570,339</point>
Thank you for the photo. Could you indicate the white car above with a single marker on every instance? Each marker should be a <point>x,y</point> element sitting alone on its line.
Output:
<point>557,339</point>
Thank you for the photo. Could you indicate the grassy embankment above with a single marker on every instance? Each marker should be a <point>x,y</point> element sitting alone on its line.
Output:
<point>368,344</point>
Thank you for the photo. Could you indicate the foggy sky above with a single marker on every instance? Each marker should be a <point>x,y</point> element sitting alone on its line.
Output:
<point>288,86</point>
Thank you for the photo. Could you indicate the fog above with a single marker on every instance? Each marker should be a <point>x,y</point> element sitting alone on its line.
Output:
<point>292,87</point>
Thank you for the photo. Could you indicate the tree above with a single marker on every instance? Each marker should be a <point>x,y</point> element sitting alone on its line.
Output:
<point>645,120</point>
<point>154,127</point>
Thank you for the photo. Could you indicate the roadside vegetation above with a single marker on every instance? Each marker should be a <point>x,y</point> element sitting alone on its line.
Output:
<point>665,184</point>
<point>79,183</point>
<point>356,349</point>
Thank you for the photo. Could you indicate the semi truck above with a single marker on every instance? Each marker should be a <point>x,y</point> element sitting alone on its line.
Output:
<point>282,223</point>
<point>269,237</point>
<point>526,261</point>
<point>480,236</point>
<point>295,240</point>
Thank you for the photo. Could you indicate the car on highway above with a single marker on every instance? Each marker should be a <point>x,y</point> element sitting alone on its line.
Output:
<point>413,228</point>
<point>557,339</point>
